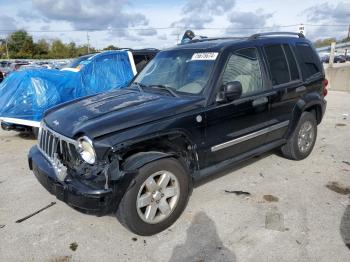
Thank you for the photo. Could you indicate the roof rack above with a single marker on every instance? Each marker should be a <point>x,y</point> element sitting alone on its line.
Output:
<point>220,38</point>
<point>256,36</point>
<point>207,39</point>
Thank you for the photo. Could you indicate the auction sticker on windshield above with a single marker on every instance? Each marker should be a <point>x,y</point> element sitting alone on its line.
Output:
<point>205,56</point>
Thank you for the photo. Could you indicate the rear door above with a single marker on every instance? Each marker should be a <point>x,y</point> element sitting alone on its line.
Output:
<point>287,86</point>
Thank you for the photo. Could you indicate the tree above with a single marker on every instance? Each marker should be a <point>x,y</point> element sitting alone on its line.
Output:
<point>2,48</point>
<point>58,49</point>
<point>27,48</point>
<point>41,49</point>
<point>22,45</point>
<point>111,47</point>
<point>324,42</point>
<point>20,42</point>
<point>83,50</point>
<point>72,49</point>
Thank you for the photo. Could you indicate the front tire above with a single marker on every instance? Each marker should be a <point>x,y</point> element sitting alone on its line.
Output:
<point>156,199</point>
<point>302,141</point>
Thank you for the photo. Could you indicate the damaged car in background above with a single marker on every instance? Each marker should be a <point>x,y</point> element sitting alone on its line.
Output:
<point>26,94</point>
<point>194,110</point>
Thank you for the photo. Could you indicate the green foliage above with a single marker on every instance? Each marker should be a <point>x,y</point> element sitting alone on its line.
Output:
<point>324,42</point>
<point>111,47</point>
<point>21,45</point>
<point>17,40</point>
<point>328,41</point>
<point>42,48</point>
<point>58,49</point>
<point>2,48</point>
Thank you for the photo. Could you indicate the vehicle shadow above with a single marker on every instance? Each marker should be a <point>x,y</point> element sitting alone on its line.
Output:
<point>235,167</point>
<point>202,243</point>
<point>26,136</point>
<point>345,227</point>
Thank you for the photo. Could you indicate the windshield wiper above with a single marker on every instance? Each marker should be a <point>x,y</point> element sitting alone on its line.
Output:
<point>167,88</point>
<point>140,86</point>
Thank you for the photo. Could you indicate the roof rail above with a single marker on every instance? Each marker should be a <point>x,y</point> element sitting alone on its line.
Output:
<point>207,39</point>
<point>256,36</point>
<point>131,49</point>
<point>220,38</point>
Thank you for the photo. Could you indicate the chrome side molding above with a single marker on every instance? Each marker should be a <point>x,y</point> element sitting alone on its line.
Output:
<point>249,136</point>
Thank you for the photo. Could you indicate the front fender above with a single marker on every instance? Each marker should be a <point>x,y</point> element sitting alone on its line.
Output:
<point>122,178</point>
<point>138,160</point>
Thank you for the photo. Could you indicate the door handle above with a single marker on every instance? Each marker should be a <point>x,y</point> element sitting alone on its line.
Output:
<point>300,89</point>
<point>260,101</point>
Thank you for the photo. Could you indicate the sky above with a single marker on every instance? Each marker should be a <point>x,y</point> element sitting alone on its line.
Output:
<point>159,24</point>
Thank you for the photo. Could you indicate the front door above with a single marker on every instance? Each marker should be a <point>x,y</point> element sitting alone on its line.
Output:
<point>236,127</point>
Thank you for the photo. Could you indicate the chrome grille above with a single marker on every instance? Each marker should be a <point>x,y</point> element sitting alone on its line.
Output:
<point>53,144</point>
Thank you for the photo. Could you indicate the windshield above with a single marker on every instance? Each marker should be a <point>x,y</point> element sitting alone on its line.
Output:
<point>185,71</point>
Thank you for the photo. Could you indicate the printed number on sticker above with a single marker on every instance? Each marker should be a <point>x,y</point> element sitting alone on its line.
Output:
<point>204,56</point>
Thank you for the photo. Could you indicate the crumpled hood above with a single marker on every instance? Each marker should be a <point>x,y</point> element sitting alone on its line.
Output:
<point>114,111</point>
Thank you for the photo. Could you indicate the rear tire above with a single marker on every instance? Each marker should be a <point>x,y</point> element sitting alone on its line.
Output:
<point>302,141</point>
<point>148,195</point>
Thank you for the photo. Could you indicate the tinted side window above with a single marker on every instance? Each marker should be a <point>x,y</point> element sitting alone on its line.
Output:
<point>278,64</point>
<point>243,66</point>
<point>309,62</point>
<point>293,68</point>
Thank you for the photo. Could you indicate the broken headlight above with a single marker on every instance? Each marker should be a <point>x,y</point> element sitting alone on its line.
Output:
<point>86,150</point>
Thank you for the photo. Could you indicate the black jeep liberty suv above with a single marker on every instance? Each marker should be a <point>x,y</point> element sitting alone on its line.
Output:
<point>194,110</point>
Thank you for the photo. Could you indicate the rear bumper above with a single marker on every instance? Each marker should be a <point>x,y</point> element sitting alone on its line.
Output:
<point>14,127</point>
<point>73,192</point>
<point>20,122</point>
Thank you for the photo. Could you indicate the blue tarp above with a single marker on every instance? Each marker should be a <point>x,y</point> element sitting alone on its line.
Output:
<point>28,94</point>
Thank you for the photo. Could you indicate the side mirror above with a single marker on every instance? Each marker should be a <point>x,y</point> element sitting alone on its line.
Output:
<point>231,91</point>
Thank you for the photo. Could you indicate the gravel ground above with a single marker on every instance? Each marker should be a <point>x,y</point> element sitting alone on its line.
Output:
<point>296,211</point>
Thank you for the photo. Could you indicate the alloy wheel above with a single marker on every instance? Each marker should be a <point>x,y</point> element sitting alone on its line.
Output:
<point>158,197</point>
<point>306,137</point>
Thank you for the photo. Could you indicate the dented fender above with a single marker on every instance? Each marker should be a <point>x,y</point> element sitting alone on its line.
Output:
<point>138,160</point>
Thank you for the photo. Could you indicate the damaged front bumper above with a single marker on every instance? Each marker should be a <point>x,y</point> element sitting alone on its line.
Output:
<point>73,191</point>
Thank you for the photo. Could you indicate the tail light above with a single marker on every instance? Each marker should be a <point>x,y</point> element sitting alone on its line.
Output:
<point>324,87</point>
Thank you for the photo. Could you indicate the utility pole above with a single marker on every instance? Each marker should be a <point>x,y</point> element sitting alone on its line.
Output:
<point>348,39</point>
<point>331,55</point>
<point>177,35</point>
<point>88,41</point>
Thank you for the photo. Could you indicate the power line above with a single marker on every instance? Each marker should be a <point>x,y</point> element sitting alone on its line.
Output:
<point>168,28</point>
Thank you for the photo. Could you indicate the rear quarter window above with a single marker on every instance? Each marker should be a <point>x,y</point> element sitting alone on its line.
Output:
<point>308,59</point>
